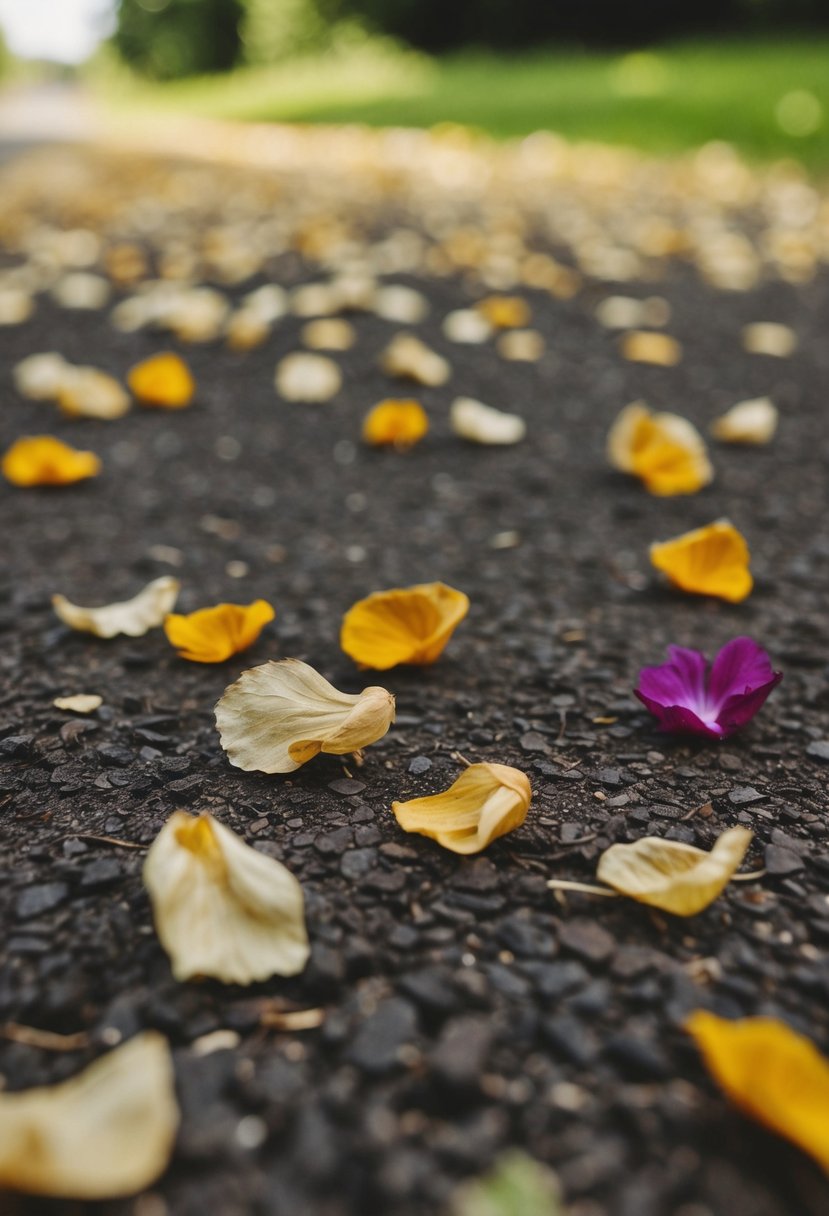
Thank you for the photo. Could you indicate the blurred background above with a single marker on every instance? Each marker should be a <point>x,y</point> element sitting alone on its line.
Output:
<point>659,76</point>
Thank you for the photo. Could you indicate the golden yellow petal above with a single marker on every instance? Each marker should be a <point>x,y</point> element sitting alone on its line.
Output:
<point>505,312</point>
<point>712,560</point>
<point>212,635</point>
<point>41,460</point>
<point>221,908</point>
<point>132,617</point>
<point>164,380</point>
<point>105,1133</point>
<point>772,1073</point>
<point>485,802</point>
<point>404,625</point>
<point>644,346</point>
<point>398,424</point>
<point>673,876</point>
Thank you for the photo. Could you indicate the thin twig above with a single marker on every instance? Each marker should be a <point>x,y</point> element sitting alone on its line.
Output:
<point>751,876</point>
<point>561,884</point>
<point>48,1040</point>
<point>121,844</point>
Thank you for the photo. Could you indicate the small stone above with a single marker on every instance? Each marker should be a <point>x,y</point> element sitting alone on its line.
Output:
<point>100,873</point>
<point>586,939</point>
<point>347,786</point>
<point>462,1050</point>
<point>16,747</point>
<point>43,897</point>
<point>532,741</point>
<point>377,1044</point>
<point>745,795</point>
<point>819,750</point>
<point>636,1058</point>
<point>570,1039</point>
<point>419,765</point>
<point>780,860</point>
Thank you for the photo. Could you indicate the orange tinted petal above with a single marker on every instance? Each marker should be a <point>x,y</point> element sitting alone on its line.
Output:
<point>708,561</point>
<point>212,635</point>
<point>770,1072</point>
<point>163,380</point>
<point>664,450</point>
<point>42,460</point>
<point>398,424</point>
<point>505,312</point>
<point>404,625</point>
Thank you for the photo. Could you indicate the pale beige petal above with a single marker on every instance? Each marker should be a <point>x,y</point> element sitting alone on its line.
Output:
<point>769,338</point>
<point>86,392</point>
<point>105,1133</point>
<point>39,377</point>
<point>753,422</point>
<point>675,877</point>
<point>221,908</point>
<point>81,290</point>
<point>278,716</point>
<point>329,333</point>
<point>486,801</point>
<point>410,359</point>
<point>622,435</point>
<point>520,345</point>
<point>307,378</point>
<point>403,305</point>
<point>479,423</point>
<point>79,703</point>
<point>132,617</point>
<point>468,326</point>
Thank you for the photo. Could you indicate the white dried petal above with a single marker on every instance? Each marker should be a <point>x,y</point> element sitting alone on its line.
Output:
<point>221,908</point>
<point>467,325</point>
<point>314,300</point>
<point>197,315</point>
<point>753,421</point>
<point>401,304</point>
<point>520,345</point>
<point>309,378</point>
<point>40,376</point>
<point>410,359</point>
<point>269,302</point>
<point>329,333</point>
<point>132,617</point>
<point>81,290</point>
<point>625,312</point>
<point>282,714</point>
<point>246,329</point>
<point>16,306</point>
<point>769,338</point>
<point>86,392</point>
<point>479,423</point>
<point>79,703</point>
<point>105,1133</point>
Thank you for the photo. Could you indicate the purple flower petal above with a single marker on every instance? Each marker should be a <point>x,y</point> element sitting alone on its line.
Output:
<point>740,667</point>
<point>679,720</point>
<point>679,682</point>
<point>741,707</point>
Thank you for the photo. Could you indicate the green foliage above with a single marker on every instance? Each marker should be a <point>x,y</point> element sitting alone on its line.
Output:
<point>168,39</point>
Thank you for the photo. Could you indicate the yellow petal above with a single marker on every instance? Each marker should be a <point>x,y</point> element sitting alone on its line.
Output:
<point>769,338</point>
<point>479,423</point>
<point>246,329</point>
<point>753,421</point>
<point>398,424</point>
<point>404,625</point>
<point>410,359</point>
<point>278,716</point>
<point>105,1133</point>
<point>644,346</point>
<point>132,617</point>
<point>86,392</point>
<point>505,312</point>
<point>486,801</point>
<point>664,450</point>
<point>773,1074</point>
<point>307,378</point>
<point>79,703</point>
<point>41,460</point>
<point>707,561</point>
<point>212,635</point>
<point>163,380</point>
<point>673,876</point>
<point>221,908</point>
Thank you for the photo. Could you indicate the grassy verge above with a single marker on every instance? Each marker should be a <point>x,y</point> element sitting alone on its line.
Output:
<point>771,99</point>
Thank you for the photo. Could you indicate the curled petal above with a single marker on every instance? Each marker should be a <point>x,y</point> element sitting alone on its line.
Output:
<point>278,716</point>
<point>106,1133</point>
<point>404,625</point>
<point>212,635</point>
<point>132,617</point>
<point>86,392</point>
<point>479,423</point>
<point>713,560</point>
<point>486,801</point>
<point>752,422</point>
<point>221,908</point>
<point>410,359</point>
<point>673,876</point>
<point>664,450</point>
<point>772,1073</point>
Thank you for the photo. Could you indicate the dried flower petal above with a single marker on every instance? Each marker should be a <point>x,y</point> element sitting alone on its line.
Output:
<point>410,359</point>
<point>466,325</point>
<point>212,635</point>
<point>86,392</point>
<point>132,617</point>
<point>307,378</point>
<point>222,909</point>
<point>403,305</point>
<point>625,312</point>
<point>520,345</point>
<point>398,424</point>
<point>246,329</point>
<point>769,338</point>
<point>753,421</point>
<point>278,716</point>
<point>643,346</point>
<point>42,460</point>
<point>105,1133</point>
<point>673,876</point>
<point>16,305</point>
<point>40,376</point>
<point>329,333</point>
<point>772,1073</point>
<point>481,423</point>
<point>79,703</point>
<point>664,450</point>
<point>486,801</point>
<point>404,625</point>
<point>505,312</point>
<point>163,380</point>
<point>81,290</point>
<point>712,560</point>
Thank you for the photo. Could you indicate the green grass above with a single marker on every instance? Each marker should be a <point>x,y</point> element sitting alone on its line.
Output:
<point>663,101</point>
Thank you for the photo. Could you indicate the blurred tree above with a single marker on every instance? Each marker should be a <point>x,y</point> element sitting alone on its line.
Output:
<point>275,29</point>
<point>165,39</point>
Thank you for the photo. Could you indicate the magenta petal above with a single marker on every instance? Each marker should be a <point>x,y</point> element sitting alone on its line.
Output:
<point>740,667</point>
<point>741,707</point>
<point>678,719</point>
<point>680,682</point>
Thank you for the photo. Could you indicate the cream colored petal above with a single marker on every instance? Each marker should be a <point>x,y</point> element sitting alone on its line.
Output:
<point>270,302</point>
<point>40,376</point>
<point>769,338</point>
<point>481,423</point>
<point>468,326</point>
<point>105,1133</point>
<point>403,305</point>
<point>753,421</point>
<point>132,617</point>
<point>328,333</point>
<point>86,392</point>
<point>81,290</point>
<point>16,305</point>
<point>277,716</point>
<point>673,876</point>
<point>520,345</point>
<point>79,703</point>
<point>197,314</point>
<point>410,359</point>
<point>486,801</point>
<point>308,378</point>
<point>622,434</point>
<point>221,908</point>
